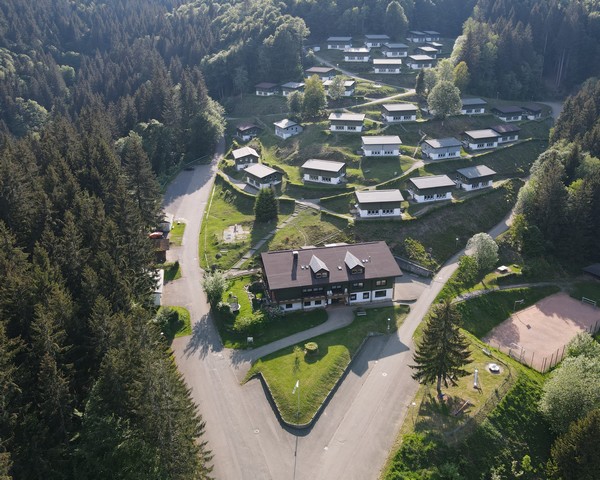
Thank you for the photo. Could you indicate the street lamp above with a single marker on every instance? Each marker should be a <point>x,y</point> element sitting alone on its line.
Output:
<point>457,240</point>
<point>388,325</point>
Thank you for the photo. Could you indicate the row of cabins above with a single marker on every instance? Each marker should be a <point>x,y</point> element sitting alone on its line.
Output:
<point>265,89</point>
<point>379,41</point>
<point>477,106</point>
<point>392,65</point>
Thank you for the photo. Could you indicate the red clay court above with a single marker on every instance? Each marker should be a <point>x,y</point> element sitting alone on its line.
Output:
<point>536,335</point>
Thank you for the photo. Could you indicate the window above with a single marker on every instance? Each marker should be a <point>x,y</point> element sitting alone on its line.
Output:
<point>353,296</point>
<point>307,304</point>
<point>372,212</point>
<point>380,293</point>
<point>489,144</point>
<point>314,177</point>
<point>381,283</point>
<point>317,302</point>
<point>358,284</point>
<point>356,270</point>
<point>321,274</point>
<point>351,127</point>
<point>336,287</point>
<point>480,145</point>
<point>441,155</point>
<point>388,152</point>
<point>440,195</point>
<point>339,127</point>
<point>387,211</point>
<point>366,295</point>
<point>428,197</point>
<point>289,305</point>
<point>326,179</point>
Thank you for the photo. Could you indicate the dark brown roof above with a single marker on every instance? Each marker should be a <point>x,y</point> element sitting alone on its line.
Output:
<point>508,110</point>
<point>593,269</point>
<point>247,126</point>
<point>282,272</point>
<point>505,128</point>
<point>266,85</point>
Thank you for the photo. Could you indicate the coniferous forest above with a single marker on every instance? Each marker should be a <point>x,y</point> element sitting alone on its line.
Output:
<point>100,100</point>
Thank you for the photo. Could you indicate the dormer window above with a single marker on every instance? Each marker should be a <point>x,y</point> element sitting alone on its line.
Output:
<point>322,274</point>
<point>318,267</point>
<point>354,264</point>
<point>357,270</point>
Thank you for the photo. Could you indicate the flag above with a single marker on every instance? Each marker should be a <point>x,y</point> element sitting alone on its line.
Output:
<point>296,386</point>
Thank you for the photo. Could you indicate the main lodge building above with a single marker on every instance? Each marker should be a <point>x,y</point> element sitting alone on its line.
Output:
<point>338,274</point>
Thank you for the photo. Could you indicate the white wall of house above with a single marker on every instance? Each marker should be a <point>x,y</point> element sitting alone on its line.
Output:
<point>511,118</point>
<point>375,295</point>
<point>368,213</point>
<point>346,128</point>
<point>483,145</point>
<point>396,54</point>
<point>390,151</point>
<point>258,184</point>
<point>336,46</point>
<point>533,116</point>
<point>287,132</point>
<point>423,198</point>
<point>373,44</point>
<point>352,58</point>
<point>473,111</point>
<point>290,307</point>
<point>378,69</point>
<point>264,93</point>
<point>322,179</point>
<point>419,66</point>
<point>475,186</point>
<point>436,155</point>
<point>508,138</point>
<point>399,117</point>
<point>318,303</point>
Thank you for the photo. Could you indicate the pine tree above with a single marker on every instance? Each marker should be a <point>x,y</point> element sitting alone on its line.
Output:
<point>266,206</point>
<point>420,84</point>
<point>443,352</point>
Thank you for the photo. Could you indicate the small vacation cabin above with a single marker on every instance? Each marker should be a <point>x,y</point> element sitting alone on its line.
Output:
<point>418,62</point>
<point>431,35</point>
<point>323,171</point>
<point>480,139</point>
<point>506,133</point>
<point>432,188</point>
<point>324,73</point>
<point>438,46</point>
<point>337,274</point>
<point>247,132</point>
<point>508,114</point>
<point>475,178</point>
<point>349,87</point>
<point>375,41</point>
<point>415,36</point>
<point>244,157</point>
<point>381,146</point>
<point>399,112</point>
<point>265,89</point>
<point>262,176</point>
<point>438,148</point>
<point>359,54</point>
<point>432,52</point>
<point>532,112</point>
<point>379,203</point>
<point>287,128</point>
<point>290,87</point>
<point>346,122</point>
<point>387,65</point>
<point>339,43</point>
<point>472,106</point>
<point>395,50</point>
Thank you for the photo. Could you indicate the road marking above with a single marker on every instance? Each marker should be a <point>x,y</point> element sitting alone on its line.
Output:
<point>384,374</point>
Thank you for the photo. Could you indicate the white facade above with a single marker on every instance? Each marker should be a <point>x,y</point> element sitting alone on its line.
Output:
<point>513,137</point>
<point>326,179</point>
<point>356,57</point>
<point>396,53</point>
<point>257,183</point>
<point>346,128</point>
<point>243,166</point>
<point>288,132</point>
<point>380,212</point>
<point>472,110</point>
<point>386,68</point>
<point>381,150</point>
<point>371,296</point>
<point>398,117</point>
<point>436,197</point>
<point>474,186</point>
<point>418,65</point>
<point>265,93</point>
<point>339,45</point>
<point>435,154</point>
<point>482,145</point>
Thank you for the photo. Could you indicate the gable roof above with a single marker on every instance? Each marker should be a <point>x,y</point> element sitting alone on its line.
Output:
<point>349,117</point>
<point>292,85</point>
<point>320,70</point>
<point>265,85</point>
<point>351,261</point>
<point>416,32</point>
<point>377,37</point>
<point>325,165</point>
<point>339,39</point>
<point>399,46</point>
<point>508,109</point>
<point>244,152</point>
<point>381,140</point>
<point>259,170</point>
<point>379,196</point>
<point>484,133</point>
<point>316,264</point>
<point>530,107</point>
<point>347,83</point>
<point>420,58</point>
<point>285,123</point>
<point>473,101</point>
<point>400,107</point>
<point>246,126</point>
<point>476,171</point>
<point>432,181</point>
<point>443,142</point>
<point>387,61</point>
<point>282,271</point>
<point>428,49</point>
<point>431,32</point>
<point>357,50</point>
<point>506,128</point>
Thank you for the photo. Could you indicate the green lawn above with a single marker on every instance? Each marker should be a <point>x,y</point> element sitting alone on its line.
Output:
<point>236,288</point>
<point>280,328</point>
<point>180,326</point>
<point>586,289</point>
<point>253,106</point>
<point>172,271</point>
<point>481,314</point>
<point>230,207</point>
<point>318,374</point>
<point>176,233</point>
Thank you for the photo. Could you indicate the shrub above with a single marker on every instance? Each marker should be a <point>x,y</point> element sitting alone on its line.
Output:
<point>311,348</point>
<point>223,312</point>
<point>250,324</point>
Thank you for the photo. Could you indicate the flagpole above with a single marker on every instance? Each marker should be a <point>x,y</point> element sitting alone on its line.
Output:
<point>297,387</point>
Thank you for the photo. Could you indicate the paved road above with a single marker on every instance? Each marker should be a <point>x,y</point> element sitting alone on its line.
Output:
<point>357,428</point>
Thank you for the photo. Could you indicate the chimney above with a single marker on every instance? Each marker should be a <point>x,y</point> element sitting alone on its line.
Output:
<point>295,264</point>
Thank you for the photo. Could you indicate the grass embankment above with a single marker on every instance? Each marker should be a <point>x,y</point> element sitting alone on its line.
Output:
<point>319,373</point>
<point>251,105</point>
<point>180,324</point>
<point>172,271</point>
<point>176,233</point>
<point>589,290</point>
<point>439,228</point>
<point>229,207</point>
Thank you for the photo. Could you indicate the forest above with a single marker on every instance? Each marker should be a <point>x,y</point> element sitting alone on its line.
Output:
<point>101,100</point>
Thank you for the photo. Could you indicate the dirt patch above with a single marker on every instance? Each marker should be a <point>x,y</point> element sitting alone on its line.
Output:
<point>234,233</point>
<point>537,335</point>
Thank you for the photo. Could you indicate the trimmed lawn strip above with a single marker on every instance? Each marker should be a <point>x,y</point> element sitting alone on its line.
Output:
<point>319,373</point>
<point>481,314</point>
<point>275,330</point>
<point>439,227</point>
<point>181,327</point>
<point>172,271</point>
<point>176,233</point>
<point>589,290</point>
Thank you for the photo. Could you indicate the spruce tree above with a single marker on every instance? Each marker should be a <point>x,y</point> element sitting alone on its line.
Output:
<point>420,84</point>
<point>443,352</point>
<point>266,206</point>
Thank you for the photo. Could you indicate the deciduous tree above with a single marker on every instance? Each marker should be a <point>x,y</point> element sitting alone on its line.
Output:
<point>444,100</point>
<point>314,97</point>
<point>484,250</point>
